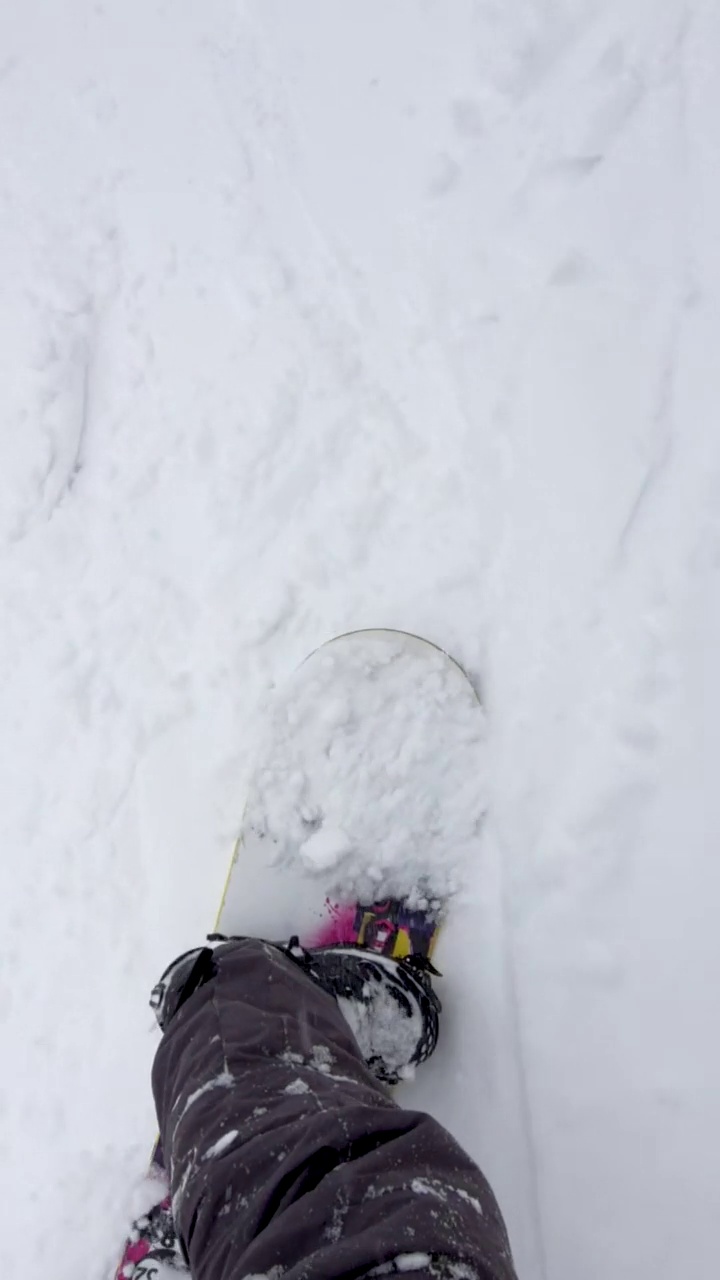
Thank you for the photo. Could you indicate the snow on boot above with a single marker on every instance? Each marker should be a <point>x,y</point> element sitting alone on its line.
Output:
<point>390,1004</point>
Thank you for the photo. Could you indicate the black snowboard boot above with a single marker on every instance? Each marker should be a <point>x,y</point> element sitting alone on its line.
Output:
<point>389,1004</point>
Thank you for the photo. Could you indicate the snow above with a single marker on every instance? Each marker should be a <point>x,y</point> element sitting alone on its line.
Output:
<point>441,1190</point>
<point>389,799</point>
<point>324,316</point>
<point>324,849</point>
<point>223,1081</point>
<point>222,1144</point>
<point>381,1028</point>
<point>297,1086</point>
<point>411,1261</point>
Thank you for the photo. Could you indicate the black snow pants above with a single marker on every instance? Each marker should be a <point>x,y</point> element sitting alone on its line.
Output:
<point>288,1159</point>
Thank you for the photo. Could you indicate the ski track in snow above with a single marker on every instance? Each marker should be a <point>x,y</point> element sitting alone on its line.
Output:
<point>328,316</point>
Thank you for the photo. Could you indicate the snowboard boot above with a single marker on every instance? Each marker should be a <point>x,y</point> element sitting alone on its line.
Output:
<point>389,1004</point>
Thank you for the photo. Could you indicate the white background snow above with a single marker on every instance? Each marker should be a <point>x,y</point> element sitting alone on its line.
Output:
<point>384,313</point>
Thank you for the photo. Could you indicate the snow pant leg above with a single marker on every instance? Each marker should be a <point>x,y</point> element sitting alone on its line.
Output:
<point>286,1156</point>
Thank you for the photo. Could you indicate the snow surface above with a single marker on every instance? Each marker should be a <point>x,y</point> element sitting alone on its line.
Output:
<point>323,316</point>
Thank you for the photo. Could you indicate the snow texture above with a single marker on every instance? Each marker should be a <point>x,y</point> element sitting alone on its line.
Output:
<point>381,1028</point>
<point>373,770</point>
<point>321,316</point>
<point>223,1081</point>
<point>411,1261</point>
<point>297,1086</point>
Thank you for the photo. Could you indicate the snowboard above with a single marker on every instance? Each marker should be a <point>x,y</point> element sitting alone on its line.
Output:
<point>363,810</point>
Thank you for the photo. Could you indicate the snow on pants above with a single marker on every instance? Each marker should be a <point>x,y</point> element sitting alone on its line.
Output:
<point>288,1159</point>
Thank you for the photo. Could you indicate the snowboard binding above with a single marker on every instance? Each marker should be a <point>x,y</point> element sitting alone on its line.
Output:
<point>153,1249</point>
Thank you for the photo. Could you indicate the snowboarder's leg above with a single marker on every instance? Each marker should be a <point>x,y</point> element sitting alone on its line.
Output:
<point>287,1156</point>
